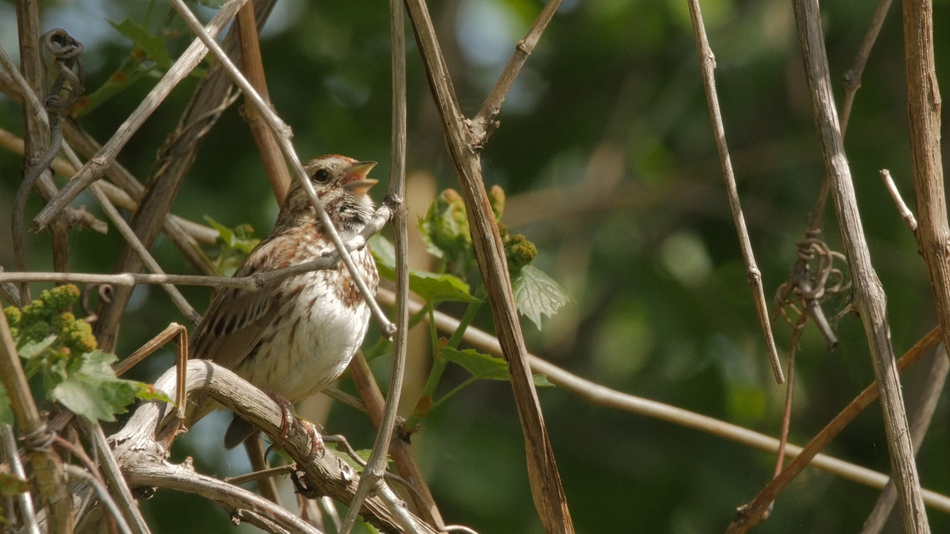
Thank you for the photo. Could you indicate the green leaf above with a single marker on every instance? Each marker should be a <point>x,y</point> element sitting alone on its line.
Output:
<point>225,233</point>
<point>6,411</point>
<point>439,287</point>
<point>148,392</point>
<point>382,347</point>
<point>153,45</point>
<point>482,366</point>
<point>485,366</point>
<point>92,390</point>
<point>541,381</point>
<point>11,484</point>
<point>384,252</point>
<point>537,293</point>
<point>31,349</point>
<point>431,287</point>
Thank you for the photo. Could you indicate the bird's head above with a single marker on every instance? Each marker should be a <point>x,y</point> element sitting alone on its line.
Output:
<point>342,185</point>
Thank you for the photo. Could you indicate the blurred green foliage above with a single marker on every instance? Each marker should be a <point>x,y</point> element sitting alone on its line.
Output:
<point>606,151</point>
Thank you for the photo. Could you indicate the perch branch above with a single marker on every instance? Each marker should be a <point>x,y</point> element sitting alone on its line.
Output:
<point>141,451</point>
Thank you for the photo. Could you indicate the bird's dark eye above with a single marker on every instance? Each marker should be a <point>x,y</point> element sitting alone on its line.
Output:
<point>321,176</point>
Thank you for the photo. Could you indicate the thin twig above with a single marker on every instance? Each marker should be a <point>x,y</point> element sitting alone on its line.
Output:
<point>603,396</point>
<point>484,122</point>
<point>400,449</point>
<point>118,196</point>
<point>810,455</point>
<point>284,134</point>
<point>852,78</point>
<point>96,166</point>
<point>789,395</point>
<point>253,282</point>
<point>707,64</point>
<point>920,421</point>
<point>905,212</point>
<point>24,500</point>
<point>372,479</point>
<point>256,476</point>
<point>267,486</point>
<point>113,475</point>
<point>104,497</point>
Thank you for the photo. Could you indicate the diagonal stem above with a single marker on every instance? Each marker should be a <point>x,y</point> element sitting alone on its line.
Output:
<point>483,123</point>
<point>376,464</point>
<point>284,135</point>
<point>546,488</point>
<point>94,168</point>
<point>707,63</point>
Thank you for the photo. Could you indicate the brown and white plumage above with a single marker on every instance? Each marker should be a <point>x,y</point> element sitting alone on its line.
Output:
<point>296,335</point>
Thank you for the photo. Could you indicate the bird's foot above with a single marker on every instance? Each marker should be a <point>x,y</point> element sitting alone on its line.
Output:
<point>287,415</point>
<point>316,441</point>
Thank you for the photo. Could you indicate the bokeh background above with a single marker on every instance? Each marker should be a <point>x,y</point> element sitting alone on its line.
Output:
<point>607,155</point>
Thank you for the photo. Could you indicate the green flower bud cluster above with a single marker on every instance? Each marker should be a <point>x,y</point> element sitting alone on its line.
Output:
<point>446,232</point>
<point>51,314</point>
<point>518,250</point>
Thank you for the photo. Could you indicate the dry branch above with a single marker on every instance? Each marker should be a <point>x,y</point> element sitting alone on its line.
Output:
<point>141,451</point>
<point>923,104</point>
<point>95,167</point>
<point>707,64</point>
<point>546,488</point>
<point>869,297</point>
<point>376,464</point>
<point>617,400</point>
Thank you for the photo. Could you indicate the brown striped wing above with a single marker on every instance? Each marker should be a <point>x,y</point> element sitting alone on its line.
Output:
<point>237,319</point>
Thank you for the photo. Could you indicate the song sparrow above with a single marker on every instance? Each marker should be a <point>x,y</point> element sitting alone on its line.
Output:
<point>294,337</point>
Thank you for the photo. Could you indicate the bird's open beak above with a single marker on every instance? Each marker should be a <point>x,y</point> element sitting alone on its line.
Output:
<point>355,179</point>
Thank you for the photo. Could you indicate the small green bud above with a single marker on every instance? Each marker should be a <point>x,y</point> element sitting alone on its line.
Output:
<point>496,197</point>
<point>60,298</point>
<point>13,315</point>
<point>38,331</point>
<point>78,338</point>
<point>244,231</point>
<point>520,252</point>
